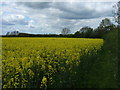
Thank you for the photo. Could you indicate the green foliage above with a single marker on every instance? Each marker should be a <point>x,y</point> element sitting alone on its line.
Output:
<point>105,22</point>
<point>103,71</point>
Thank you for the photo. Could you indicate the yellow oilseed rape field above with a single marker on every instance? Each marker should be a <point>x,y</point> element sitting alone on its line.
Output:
<point>43,62</point>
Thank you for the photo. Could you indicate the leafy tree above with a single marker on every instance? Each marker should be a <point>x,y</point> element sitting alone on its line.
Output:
<point>105,22</point>
<point>117,12</point>
<point>89,32</point>
<point>77,34</point>
<point>8,33</point>
<point>86,31</point>
<point>104,27</point>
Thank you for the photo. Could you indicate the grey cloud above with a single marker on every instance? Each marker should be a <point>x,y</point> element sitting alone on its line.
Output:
<point>76,10</point>
<point>20,22</point>
<point>51,17</point>
<point>83,11</point>
<point>36,5</point>
<point>6,23</point>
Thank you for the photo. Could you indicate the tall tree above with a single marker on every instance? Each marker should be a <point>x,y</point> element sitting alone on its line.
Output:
<point>65,31</point>
<point>85,29</point>
<point>117,12</point>
<point>105,22</point>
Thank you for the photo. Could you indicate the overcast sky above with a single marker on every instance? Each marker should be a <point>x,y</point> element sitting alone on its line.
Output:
<point>52,17</point>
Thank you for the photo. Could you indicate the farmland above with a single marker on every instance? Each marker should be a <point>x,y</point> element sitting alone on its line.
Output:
<point>44,62</point>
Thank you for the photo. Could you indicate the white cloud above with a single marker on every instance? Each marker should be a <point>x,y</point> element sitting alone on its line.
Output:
<point>13,17</point>
<point>53,17</point>
<point>31,24</point>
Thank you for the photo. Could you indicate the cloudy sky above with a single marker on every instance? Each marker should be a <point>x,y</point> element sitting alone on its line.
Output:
<point>52,17</point>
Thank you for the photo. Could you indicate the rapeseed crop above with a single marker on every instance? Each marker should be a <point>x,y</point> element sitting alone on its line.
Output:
<point>37,62</point>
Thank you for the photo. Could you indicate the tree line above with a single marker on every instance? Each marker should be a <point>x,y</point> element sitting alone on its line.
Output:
<point>88,32</point>
<point>84,32</point>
